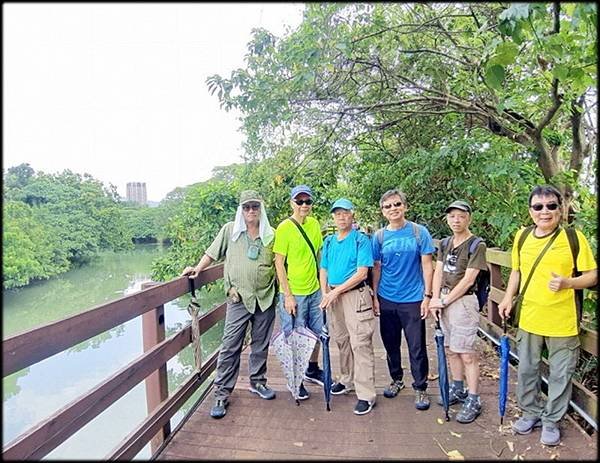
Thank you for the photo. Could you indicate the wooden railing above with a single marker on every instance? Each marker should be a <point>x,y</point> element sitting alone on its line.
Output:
<point>25,349</point>
<point>490,322</point>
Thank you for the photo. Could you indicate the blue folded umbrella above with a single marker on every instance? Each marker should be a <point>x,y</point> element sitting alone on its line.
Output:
<point>442,366</point>
<point>503,387</point>
<point>326,361</point>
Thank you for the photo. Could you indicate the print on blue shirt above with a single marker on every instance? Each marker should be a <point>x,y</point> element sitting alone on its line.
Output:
<point>401,272</point>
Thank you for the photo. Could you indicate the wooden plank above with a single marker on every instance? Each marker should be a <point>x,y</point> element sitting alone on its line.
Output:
<point>129,447</point>
<point>499,257</point>
<point>50,433</point>
<point>32,346</point>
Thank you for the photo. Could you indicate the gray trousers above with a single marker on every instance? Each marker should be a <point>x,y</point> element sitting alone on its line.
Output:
<point>228,363</point>
<point>563,353</point>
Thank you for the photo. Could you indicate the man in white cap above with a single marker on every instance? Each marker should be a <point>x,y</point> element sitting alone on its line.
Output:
<point>347,297</point>
<point>460,259</point>
<point>249,276</point>
<point>297,247</point>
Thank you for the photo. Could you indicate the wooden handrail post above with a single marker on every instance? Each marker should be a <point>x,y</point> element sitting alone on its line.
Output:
<point>157,386</point>
<point>496,282</point>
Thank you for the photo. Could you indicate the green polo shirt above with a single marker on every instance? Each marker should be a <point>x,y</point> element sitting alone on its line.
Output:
<point>254,280</point>
<point>301,266</point>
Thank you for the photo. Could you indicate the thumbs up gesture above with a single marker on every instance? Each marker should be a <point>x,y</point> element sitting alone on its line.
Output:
<point>558,282</point>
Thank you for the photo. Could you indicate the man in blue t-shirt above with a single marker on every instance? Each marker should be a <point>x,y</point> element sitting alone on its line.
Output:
<point>346,258</point>
<point>402,282</point>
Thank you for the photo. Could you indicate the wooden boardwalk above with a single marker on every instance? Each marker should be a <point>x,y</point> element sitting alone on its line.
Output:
<point>279,429</point>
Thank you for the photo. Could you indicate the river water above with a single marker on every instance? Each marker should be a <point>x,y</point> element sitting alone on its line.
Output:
<point>33,394</point>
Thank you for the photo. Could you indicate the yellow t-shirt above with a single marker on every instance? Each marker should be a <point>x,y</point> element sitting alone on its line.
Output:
<point>545,312</point>
<point>301,266</point>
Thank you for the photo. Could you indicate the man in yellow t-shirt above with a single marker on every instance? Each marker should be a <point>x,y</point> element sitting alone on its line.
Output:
<point>548,312</point>
<point>296,267</point>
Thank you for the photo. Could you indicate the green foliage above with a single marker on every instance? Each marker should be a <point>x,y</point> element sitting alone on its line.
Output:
<point>54,221</point>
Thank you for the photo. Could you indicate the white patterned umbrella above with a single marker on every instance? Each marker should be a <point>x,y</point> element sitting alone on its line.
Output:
<point>293,352</point>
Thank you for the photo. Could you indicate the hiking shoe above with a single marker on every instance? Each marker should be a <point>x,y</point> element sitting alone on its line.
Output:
<point>470,410</point>
<point>550,434</point>
<point>525,425</point>
<point>339,388</point>
<point>264,391</point>
<point>363,407</point>
<point>454,396</point>
<point>219,409</point>
<point>392,390</point>
<point>421,400</point>
<point>303,394</point>
<point>314,376</point>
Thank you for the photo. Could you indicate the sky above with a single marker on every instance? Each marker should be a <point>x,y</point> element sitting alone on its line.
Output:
<point>118,91</point>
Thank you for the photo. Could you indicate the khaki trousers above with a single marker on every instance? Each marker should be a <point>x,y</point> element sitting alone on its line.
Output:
<point>352,324</point>
<point>563,353</point>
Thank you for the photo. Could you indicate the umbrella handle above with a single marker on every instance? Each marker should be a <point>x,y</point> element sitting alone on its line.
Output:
<point>192,288</point>
<point>437,320</point>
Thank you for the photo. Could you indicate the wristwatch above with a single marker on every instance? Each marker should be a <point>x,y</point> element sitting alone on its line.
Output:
<point>428,295</point>
<point>443,301</point>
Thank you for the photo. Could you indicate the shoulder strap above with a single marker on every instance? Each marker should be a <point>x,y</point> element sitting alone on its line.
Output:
<point>312,249</point>
<point>379,236</point>
<point>444,247</point>
<point>474,244</point>
<point>574,245</point>
<point>537,261</point>
<point>522,238</point>
<point>416,232</point>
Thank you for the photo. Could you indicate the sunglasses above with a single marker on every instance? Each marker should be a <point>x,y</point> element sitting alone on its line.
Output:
<point>254,207</point>
<point>300,202</point>
<point>538,207</point>
<point>388,206</point>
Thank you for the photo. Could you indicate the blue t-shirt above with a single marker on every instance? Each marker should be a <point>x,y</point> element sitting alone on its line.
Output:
<point>342,258</point>
<point>400,256</point>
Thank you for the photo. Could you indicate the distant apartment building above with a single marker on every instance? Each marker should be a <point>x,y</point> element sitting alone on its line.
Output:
<point>136,192</point>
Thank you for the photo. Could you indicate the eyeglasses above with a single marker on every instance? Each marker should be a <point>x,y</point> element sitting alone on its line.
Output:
<point>538,207</point>
<point>387,206</point>
<point>254,207</point>
<point>300,202</point>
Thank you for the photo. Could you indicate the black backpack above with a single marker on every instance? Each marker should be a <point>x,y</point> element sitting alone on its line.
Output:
<point>482,282</point>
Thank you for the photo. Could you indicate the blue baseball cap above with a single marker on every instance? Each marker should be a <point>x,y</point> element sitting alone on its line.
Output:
<point>301,189</point>
<point>342,203</point>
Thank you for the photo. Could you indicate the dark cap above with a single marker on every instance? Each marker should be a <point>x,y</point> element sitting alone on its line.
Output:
<point>301,189</point>
<point>462,205</point>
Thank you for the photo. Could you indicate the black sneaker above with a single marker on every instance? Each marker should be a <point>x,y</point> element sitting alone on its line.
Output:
<point>363,407</point>
<point>393,389</point>
<point>264,391</point>
<point>303,394</point>
<point>219,410</point>
<point>339,388</point>
<point>314,376</point>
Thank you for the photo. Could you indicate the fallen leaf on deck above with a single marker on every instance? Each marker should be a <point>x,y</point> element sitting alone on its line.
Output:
<point>455,455</point>
<point>511,445</point>
<point>554,456</point>
<point>455,434</point>
<point>433,377</point>
<point>312,419</point>
<point>299,444</point>
<point>440,421</point>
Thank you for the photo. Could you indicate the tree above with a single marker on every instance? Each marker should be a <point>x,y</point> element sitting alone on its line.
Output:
<point>357,73</point>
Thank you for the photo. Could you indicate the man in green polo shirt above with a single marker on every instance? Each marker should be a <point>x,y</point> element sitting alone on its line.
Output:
<point>249,276</point>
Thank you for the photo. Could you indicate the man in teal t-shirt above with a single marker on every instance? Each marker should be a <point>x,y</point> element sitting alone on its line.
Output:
<point>348,300</point>
<point>300,294</point>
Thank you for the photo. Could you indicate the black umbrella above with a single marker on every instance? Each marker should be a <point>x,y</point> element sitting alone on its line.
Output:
<point>442,367</point>
<point>326,361</point>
